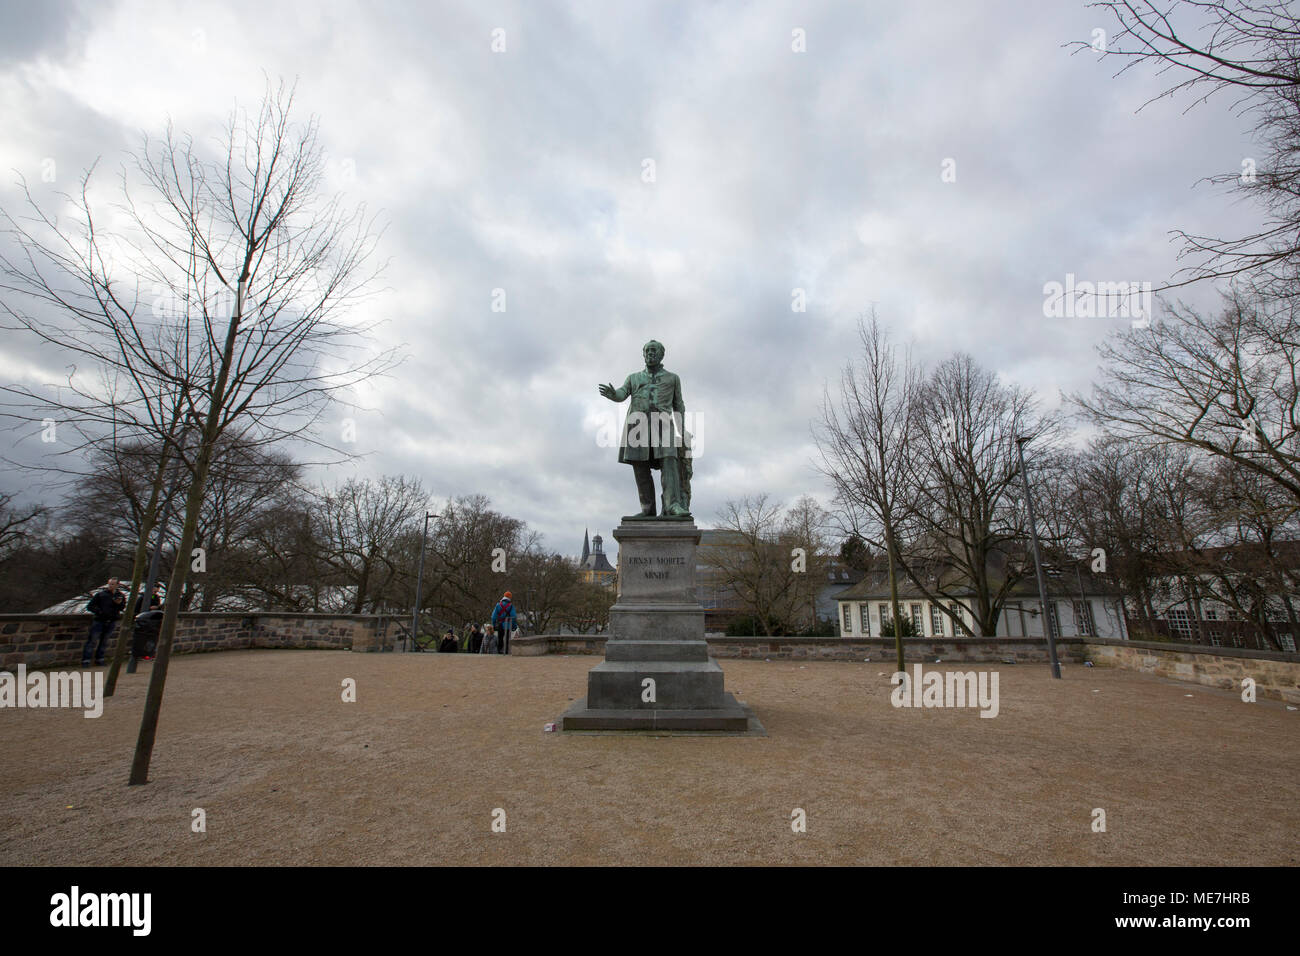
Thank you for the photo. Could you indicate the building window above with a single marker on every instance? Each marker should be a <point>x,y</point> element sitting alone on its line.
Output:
<point>1211,614</point>
<point>1287,641</point>
<point>1083,617</point>
<point>1180,622</point>
<point>848,618</point>
<point>1011,619</point>
<point>864,615</point>
<point>1215,638</point>
<point>918,625</point>
<point>959,625</point>
<point>884,617</point>
<point>936,620</point>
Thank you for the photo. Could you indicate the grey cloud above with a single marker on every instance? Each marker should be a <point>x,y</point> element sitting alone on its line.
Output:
<point>522,170</point>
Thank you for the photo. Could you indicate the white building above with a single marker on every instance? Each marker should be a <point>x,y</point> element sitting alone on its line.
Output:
<point>1080,604</point>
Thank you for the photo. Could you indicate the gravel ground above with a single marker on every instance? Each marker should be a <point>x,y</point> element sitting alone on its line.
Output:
<point>412,773</point>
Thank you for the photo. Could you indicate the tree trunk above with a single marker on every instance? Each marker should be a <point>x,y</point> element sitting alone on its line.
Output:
<point>180,571</point>
<point>127,629</point>
<point>893,597</point>
<point>148,521</point>
<point>363,584</point>
<point>158,677</point>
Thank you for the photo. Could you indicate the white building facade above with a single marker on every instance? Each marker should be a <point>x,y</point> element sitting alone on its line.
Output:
<point>865,608</point>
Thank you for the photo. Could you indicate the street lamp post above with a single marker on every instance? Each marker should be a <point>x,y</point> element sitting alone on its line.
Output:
<point>1038,563</point>
<point>419,578</point>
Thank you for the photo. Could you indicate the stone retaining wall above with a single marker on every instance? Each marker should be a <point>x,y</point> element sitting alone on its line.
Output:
<point>1022,650</point>
<point>1276,675</point>
<point>52,640</point>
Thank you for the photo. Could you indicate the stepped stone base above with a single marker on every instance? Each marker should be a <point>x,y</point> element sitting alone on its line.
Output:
<point>733,719</point>
<point>657,676</point>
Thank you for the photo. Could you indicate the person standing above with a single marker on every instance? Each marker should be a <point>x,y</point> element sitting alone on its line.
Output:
<point>146,634</point>
<point>449,643</point>
<point>504,620</point>
<point>106,605</point>
<point>475,640</point>
<point>155,600</point>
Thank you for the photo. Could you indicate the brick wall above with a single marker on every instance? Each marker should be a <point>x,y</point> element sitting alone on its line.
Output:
<point>51,640</point>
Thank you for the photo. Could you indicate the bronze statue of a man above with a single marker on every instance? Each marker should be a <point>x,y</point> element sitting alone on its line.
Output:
<point>654,436</point>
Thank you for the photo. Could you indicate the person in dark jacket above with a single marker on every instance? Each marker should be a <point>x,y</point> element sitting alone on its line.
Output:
<point>146,634</point>
<point>448,645</point>
<point>475,640</point>
<point>106,606</point>
<point>155,601</point>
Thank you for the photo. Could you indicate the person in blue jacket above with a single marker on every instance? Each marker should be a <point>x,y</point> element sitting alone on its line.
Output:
<point>505,621</point>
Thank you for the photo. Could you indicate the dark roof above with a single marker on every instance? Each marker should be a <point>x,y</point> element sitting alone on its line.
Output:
<point>717,537</point>
<point>1244,555</point>
<point>841,574</point>
<point>596,561</point>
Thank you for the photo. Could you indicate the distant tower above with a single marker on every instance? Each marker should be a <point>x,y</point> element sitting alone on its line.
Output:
<point>595,567</point>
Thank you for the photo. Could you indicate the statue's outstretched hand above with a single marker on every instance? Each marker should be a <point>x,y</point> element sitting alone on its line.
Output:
<point>607,391</point>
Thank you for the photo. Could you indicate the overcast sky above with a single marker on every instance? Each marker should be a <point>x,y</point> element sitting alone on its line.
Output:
<point>523,170</point>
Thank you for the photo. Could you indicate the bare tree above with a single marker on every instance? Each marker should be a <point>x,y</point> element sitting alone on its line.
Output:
<point>586,609</point>
<point>54,562</point>
<point>968,524</point>
<point>282,559</point>
<point>1114,504</point>
<point>545,584</point>
<point>757,561</point>
<point>17,522</point>
<point>804,543</point>
<point>241,482</point>
<point>1249,49</point>
<point>1223,385</point>
<point>467,545</point>
<point>1230,541</point>
<point>360,526</point>
<point>254,266</point>
<point>865,438</point>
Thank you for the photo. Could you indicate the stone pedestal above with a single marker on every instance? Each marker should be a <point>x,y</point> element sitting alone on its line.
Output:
<point>657,675</point>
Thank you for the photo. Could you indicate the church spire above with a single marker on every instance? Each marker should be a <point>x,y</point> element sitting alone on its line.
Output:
<point>586,546</point>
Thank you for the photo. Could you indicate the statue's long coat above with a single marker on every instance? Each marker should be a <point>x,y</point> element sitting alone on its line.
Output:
<point>651,437</point>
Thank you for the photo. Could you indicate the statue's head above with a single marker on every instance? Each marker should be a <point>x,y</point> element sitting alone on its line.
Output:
<point>653,352</point>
